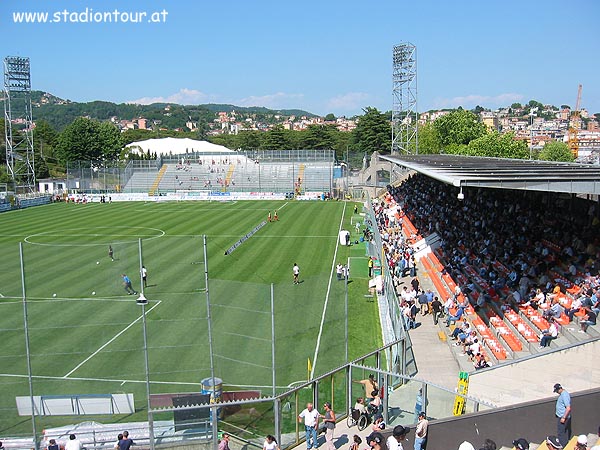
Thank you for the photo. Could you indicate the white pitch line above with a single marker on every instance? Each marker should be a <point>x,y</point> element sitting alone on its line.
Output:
<point>314,362</point>
<point>110,341</point>
<point>284,205</point>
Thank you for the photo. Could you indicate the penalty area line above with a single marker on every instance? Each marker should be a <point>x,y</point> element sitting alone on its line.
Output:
<point>110,341</point>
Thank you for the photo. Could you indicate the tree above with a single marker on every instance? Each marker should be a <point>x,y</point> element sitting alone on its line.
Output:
<point>429,139</point>
<point>556,151</point>
<point>373,132</point>
<point>495,145</point>
<point>111,141</point>
<point>87,139</point>
<point>317,137</point>
<point>276,139</point>
<point>249,140</point>
<point>459,127</point>
<point>330,117</point>
<point>516,106</point>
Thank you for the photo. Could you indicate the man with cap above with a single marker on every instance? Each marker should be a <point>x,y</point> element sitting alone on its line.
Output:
<point>553,443</point>
<point>421,431</point>
<point>394,442</point>
<point>582,442</point>
<point>375,440</point>
<point>521,444</point>
<point>563,415</point>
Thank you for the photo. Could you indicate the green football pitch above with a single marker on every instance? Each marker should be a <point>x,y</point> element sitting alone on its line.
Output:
<point>85,332</point>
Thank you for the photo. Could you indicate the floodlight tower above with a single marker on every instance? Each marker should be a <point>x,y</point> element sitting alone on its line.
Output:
<point>17,111</point>
<point>404,108</point>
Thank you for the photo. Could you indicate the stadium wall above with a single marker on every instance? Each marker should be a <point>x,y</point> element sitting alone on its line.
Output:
<point>190,196</point>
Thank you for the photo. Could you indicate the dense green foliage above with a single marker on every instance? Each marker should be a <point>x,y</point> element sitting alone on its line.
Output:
<point>88,140</point>
<point>459,128</point>
<point>556,151</point>
<point>373,132</point>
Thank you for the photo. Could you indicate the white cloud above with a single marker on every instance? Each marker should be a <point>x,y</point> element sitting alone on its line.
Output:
<point>183,97</point>
<point>350,101</point>
<point>472,100</point>
<point>279,100</point>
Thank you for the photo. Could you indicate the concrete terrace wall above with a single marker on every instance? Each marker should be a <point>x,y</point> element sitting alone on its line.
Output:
<point>577,368</point>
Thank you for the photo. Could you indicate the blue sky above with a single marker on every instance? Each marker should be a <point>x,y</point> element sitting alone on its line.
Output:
<point>321,56</point>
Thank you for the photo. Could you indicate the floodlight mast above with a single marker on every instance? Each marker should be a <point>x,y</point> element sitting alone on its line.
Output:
<point>17,112</point>
<point>405,118</point>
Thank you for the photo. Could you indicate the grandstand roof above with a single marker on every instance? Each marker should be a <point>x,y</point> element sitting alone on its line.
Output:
<point>177,146</point>
<point>464,171</point>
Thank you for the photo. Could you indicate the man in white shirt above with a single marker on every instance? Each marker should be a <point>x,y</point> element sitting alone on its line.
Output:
<point>73,443</point>
<point>394,442</point>
<point>311,423</point>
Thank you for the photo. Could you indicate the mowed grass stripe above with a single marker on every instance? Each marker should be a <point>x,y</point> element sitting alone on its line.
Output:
<point>177,335</point>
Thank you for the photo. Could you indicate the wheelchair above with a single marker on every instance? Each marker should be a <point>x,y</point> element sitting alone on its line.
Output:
<point>361,420</point>
<point>355,417</point>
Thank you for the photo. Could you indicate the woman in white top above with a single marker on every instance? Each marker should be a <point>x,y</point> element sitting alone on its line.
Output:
<point>270,443</point>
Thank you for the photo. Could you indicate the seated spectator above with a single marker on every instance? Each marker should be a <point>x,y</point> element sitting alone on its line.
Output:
<point>461,332</point>
<point>474,349</point>
<point>549,334</point>
<point>458,316</point>
<point>375,404</point>
<point>480,362</point>
<point>588,319</point>
<point>360,405</point>
<point>575,307</point>
<point>555,311</point>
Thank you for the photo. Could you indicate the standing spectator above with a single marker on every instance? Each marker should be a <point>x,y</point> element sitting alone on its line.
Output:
<point>270,443</point>
<point>224,442</point>
<point>421,432</point>
<point>296,272</point>
<point>488,444</point>
<point>582,442</point>
<point>418,404</point>
<point>127,284</point>
<point>369,385</point>
<point>73,443</point>
<point>375,441</point>
<point>311,423</point>
<point>119,439</point>
<point>521,444</point>
<point>356,441</point>
<point>144,274</point>
<point>329,421</point>
<point>52,445</point>
<point>394,442</point>
<point>563,414</point>
<point>552,443</point>
<point>436,307</point>
<point>126,442</point>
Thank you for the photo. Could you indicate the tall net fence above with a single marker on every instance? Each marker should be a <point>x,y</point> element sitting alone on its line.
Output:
<point>76,337</point>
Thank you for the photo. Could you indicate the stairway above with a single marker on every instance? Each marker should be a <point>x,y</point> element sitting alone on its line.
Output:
<point>159,177</point>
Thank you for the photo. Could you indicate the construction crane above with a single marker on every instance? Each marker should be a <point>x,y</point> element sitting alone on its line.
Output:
<point>575,126</point>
